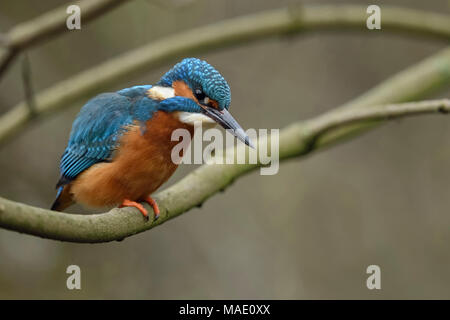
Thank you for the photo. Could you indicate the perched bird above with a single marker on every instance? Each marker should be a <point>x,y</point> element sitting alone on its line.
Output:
<point>119,150</point>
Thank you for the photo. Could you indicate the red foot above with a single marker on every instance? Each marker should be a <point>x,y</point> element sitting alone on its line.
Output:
<point>129,203</point>
<point>154,205</point>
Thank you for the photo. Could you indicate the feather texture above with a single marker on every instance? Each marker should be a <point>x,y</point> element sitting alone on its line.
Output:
<point>98,127</point>
<point>120,145</point>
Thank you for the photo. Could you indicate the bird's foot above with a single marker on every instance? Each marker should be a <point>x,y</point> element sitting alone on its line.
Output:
<point>140,207</point>
<point>154,205</point>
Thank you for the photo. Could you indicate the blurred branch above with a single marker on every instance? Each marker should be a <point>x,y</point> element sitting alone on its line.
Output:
<point>49,24</point>
<point>227,33</point>
<point>172,4</point>
<point>28,85</point>
<point>196,187</point>
<point>345,119</point>
<point>6,57</point>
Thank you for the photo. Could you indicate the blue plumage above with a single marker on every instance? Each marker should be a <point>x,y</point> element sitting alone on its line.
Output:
<point>200,74</point>
<point>101,122</point>
<point>145,161</point>
<point>98,127</point>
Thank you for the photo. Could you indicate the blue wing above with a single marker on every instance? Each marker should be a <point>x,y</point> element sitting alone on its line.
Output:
<point>96,130</point>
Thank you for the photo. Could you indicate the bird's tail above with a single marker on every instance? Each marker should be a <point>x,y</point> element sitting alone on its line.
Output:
<point>63,199</point>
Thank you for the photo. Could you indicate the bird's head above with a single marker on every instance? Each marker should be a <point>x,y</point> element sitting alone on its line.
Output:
<point>197,92</point>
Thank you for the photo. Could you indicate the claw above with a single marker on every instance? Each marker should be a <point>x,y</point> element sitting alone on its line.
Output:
<point>129,203</point>
<point>154,205</point>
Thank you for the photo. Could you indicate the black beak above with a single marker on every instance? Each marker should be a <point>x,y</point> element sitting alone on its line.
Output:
<point>226,120</point>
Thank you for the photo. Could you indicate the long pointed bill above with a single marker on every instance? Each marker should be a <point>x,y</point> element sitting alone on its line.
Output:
<point>226,120</point>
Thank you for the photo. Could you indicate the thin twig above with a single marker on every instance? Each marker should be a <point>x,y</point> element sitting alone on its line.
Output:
<point>50,24</point>
<point>6,58</point>
<point>28,85</point>
<point>333,120</point>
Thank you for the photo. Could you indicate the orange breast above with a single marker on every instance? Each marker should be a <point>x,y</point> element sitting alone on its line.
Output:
<point>139,167</point>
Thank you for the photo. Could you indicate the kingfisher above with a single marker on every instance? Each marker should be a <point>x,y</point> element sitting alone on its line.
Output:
<point>119,150</point>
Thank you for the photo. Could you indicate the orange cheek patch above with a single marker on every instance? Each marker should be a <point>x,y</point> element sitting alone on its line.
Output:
<point>182,89</point>
<point>214,103</point>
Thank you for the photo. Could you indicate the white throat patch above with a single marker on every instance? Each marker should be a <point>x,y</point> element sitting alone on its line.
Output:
<point>161,93</point>
<point>193,117</point>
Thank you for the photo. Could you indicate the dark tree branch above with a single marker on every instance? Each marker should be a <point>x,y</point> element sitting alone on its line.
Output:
<point>52,23</point>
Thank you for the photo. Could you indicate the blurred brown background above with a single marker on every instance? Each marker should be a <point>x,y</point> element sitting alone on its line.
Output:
<point>308,232</point>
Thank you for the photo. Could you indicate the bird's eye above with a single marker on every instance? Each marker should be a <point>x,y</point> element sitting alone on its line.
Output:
<point>200,95</point>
